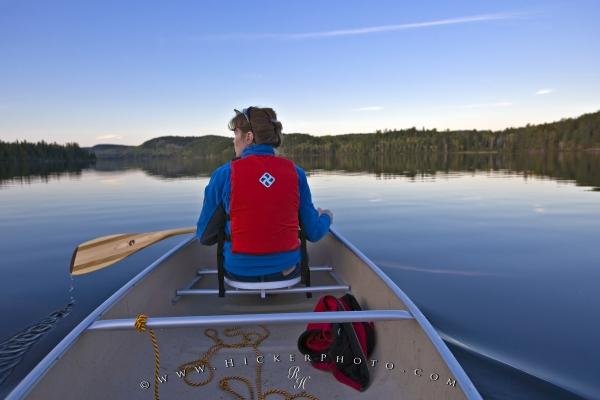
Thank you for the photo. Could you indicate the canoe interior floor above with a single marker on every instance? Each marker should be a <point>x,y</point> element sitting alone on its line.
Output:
<point>187,345</point>
<point>280,358</point>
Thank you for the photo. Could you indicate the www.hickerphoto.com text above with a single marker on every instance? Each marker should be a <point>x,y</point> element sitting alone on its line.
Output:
<point>233,362</point>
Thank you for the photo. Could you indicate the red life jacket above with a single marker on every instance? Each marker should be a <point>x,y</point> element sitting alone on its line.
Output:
<point>264,205</point>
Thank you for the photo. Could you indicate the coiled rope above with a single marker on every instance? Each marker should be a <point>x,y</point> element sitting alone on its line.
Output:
<point>249,339</point>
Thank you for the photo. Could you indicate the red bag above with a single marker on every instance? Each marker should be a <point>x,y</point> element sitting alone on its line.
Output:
<point>335,347</point>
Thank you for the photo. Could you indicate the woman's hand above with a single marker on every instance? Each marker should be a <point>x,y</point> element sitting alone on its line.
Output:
<point>326,211</point>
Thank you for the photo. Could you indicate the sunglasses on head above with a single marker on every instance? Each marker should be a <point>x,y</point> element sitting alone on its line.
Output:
<point>246,113</point>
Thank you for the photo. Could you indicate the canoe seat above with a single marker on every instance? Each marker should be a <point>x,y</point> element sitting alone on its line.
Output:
<point>262,286</point>
<point>235,287</point>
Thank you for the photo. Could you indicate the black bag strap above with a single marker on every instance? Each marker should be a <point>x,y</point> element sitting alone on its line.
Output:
<point>226,237</point>
<point>304,269</point>
<point>220,261</point>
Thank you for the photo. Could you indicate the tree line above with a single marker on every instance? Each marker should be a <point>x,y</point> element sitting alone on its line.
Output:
<point>573,134</point>
<point>582,133</point>
<point>23,152</point>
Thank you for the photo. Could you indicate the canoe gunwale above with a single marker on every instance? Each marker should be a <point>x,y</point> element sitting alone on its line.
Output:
<point>461,376</point>
<point>38,372</point>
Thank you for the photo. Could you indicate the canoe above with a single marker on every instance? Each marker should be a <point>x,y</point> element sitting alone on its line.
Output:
<point>248,343</point>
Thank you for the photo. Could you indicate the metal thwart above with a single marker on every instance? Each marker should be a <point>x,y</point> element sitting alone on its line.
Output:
<point>189,291</point>
<point>255,319</point>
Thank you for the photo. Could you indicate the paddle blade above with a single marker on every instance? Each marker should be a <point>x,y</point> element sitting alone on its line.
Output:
<point>107,250</point>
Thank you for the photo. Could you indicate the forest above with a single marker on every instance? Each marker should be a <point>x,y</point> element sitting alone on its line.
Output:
<point>22,152</point>
<point>582,133</point>
<point>573,134</point>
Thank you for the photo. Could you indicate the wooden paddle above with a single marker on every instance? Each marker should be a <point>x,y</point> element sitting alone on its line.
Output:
<point>107,250</point>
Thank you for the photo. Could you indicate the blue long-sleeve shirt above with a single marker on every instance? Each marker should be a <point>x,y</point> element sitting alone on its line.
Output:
<point>217,196</point>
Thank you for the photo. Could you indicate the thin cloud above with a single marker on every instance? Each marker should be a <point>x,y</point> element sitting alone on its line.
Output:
<point>370,29</point>
<point>105,137</point>
<point>371,108</point>
<point>490,105</point>
<point>543,91</point>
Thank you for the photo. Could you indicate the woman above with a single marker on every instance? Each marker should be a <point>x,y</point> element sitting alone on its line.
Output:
<point>261,200</point>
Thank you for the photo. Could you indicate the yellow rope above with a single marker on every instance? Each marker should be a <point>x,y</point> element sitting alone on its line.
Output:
<point>248,339</point>
<point>140,326</point>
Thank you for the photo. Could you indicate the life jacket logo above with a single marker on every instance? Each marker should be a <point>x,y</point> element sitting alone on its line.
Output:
<point>267,179</point>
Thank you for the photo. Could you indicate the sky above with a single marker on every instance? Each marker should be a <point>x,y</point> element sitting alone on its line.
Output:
<point>127,71</point>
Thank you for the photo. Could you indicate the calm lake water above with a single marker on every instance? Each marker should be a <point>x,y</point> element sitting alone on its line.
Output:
<point>501,255</point>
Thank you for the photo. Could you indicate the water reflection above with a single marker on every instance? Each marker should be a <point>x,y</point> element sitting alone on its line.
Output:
<point>582,168</point>
<point>43,171</point>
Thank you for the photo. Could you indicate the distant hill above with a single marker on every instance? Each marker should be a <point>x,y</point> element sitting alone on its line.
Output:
<point>110,150</point>
<point>582,133</point>
<point>210,146</point>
